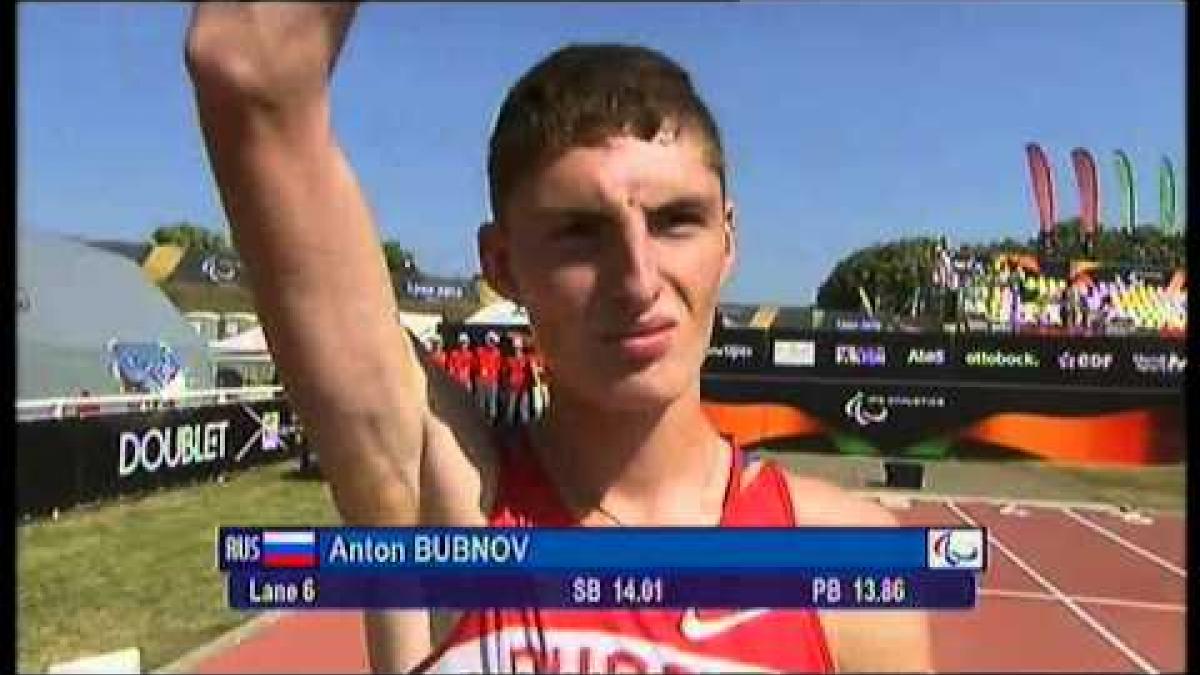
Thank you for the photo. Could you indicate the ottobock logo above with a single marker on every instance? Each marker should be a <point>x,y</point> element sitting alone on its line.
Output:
<point>1170,364</point>
<point>859,355</point>
<point>926,357</point>
<point>795,353</point>
<point>1002,359</point>
<point>955,549</point>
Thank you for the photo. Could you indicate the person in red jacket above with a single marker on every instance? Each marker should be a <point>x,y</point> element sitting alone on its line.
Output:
<point>516,384</point>
<point>539,388</point>
<point>487,376</point>
<point>436,353</point>
<point>461,361</point>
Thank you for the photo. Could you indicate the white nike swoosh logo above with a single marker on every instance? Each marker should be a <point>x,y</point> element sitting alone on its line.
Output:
<point>696,629</point>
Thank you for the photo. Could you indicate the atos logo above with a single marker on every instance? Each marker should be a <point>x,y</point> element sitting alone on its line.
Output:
<point>955,549</point>
<point>926,357</point>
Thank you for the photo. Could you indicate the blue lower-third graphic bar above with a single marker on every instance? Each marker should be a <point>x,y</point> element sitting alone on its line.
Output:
<point>862,589</point>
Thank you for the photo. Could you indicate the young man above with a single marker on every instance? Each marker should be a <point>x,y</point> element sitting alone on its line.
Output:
<point>613,227</point>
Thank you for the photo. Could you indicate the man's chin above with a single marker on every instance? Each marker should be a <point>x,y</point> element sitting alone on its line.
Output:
<point>642,391</point>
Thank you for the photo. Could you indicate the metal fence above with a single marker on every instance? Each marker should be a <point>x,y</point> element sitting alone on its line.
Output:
<point>88,406</point>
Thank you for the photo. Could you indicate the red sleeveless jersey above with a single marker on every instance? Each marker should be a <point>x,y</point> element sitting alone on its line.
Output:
<point>632,641</point>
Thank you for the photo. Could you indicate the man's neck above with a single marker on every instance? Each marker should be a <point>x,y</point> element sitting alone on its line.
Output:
<point>642,466</point>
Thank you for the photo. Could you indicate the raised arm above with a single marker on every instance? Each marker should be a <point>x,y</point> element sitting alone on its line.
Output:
<point>398,444</point>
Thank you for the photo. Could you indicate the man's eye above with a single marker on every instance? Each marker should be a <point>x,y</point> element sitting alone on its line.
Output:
<point>677,222</point>
<point>574,231</point>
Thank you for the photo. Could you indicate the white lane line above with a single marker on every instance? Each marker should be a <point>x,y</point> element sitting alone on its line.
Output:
<point>1084,600</point>
<point>927,496</point>
<point>1074,607</point>
<point>1100,529</point>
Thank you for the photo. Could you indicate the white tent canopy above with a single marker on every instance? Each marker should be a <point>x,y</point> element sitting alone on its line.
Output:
<point>75,304</point>
<point>503,313</point>
<point>423,326</point>
<point>253,341</point>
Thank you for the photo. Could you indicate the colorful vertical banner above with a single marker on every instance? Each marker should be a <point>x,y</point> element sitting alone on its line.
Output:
<point>1125,183</point>
<point>1085,178</point>
<point>1166,197</point>
<point>1043,186</point>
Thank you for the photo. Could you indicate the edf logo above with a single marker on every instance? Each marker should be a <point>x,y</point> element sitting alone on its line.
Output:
<point>955,549</point>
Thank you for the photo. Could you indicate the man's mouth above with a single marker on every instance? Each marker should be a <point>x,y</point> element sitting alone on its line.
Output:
<point>644,341</point>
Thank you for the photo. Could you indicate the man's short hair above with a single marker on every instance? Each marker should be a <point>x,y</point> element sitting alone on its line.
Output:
<point>584,94</point>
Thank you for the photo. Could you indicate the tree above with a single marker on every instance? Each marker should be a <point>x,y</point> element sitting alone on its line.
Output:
<point>191,236</point>
<point>890,272</point>
<point>400,261</point>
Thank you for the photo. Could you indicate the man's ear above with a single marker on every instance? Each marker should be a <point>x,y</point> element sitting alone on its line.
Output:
<point>730,225</point>
<point>495,259</point>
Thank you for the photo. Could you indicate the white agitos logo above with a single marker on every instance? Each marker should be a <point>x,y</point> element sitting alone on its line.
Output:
<point>955,548</point>
<point>696,629</point>
<point>857,409</point>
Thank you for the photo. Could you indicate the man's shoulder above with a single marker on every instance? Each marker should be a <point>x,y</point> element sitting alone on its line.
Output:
<point>818,502</point>
<point>861,641</point>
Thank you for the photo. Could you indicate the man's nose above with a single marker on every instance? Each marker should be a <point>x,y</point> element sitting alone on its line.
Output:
<point>637,266</point>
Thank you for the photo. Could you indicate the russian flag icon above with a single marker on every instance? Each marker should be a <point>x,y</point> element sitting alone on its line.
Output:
<point>289,549</point>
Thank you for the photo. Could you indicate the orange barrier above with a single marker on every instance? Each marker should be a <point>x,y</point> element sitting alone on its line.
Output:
<point>1132,438</point>
<point>1117,438</point>
<point>753,423</point>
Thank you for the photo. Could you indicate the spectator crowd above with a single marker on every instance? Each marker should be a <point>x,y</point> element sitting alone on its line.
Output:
<point>1007,290</point>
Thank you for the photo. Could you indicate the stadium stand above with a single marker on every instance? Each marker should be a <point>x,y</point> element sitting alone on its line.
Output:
<point>207,324</point>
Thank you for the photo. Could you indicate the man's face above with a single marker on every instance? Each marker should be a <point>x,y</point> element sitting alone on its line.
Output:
<point>618,251</point>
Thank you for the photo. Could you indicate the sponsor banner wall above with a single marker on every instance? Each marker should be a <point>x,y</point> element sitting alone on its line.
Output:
<point>897,389</point>
<point>1151,363</point>
<point>1132,361</point>
<point>64,462</point>
<point>885,356</point>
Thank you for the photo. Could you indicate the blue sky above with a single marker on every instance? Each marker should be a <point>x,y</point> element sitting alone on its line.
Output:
<point>845,123</point>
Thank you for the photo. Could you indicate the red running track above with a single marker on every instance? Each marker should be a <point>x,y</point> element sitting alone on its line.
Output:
<point>1068,590</point>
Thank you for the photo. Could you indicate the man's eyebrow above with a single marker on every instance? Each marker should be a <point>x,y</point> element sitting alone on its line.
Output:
<point>575,212</point>
<point>603,209</point>
<point>684,203</point>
